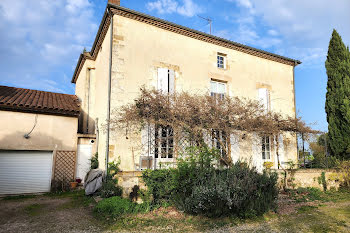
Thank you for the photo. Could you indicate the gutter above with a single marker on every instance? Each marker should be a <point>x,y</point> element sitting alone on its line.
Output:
<point>109,90</point>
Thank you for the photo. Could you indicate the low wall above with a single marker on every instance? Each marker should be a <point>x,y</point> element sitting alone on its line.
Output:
<point>129,179</point>
<point>290,179</point>
<point>296,178</point>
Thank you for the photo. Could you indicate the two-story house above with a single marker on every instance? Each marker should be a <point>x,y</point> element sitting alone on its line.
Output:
<point>133,49</point>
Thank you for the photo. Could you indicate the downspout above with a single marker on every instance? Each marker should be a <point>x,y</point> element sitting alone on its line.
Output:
<point>88,102</point>
<point>109,90</point>
<point>97,133</point>
<point>295,109</point>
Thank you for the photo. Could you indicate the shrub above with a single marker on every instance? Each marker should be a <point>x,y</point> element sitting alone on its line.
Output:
<point>160,184</point>
<point>200,186</point>
<point>114,207</point>
<point>110,189</point>
<point>94,161</point>
<point>345,172</point>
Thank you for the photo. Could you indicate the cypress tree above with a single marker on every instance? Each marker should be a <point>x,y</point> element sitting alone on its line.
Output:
<point>338,96</point>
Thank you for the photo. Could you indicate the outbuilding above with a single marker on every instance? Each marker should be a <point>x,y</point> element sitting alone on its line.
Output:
<point>38,139</point>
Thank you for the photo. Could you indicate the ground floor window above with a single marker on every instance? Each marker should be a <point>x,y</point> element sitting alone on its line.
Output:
<point>266,147</point>
<point>164,142</point>
<point>219,141</point>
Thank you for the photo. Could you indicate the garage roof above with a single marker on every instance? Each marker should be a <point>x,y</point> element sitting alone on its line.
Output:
<point>27,100</point>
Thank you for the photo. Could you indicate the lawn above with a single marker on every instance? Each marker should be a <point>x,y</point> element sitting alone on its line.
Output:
<point>299,211</point>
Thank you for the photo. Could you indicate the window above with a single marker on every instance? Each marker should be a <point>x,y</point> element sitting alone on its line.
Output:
<point>166,80</point>
<point>217,89</point>
<point>221,61</point>
<point>264,98</point>
<point>265,147</point>
<point>164,142</point>
<point>219,141</point>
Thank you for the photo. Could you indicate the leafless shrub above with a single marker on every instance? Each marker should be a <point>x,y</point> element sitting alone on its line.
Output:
<point>196,116</point>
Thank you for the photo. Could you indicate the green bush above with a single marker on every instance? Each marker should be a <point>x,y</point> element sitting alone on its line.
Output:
<point>114,207</point>
<point>110,189</point>
<point>94,161</point>
<point>160,184</point>
<point>200,186</point>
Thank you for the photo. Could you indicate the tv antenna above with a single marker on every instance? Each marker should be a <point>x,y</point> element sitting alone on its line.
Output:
<point>209,20</point>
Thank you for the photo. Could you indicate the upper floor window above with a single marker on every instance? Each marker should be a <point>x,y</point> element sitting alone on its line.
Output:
<point>166,80</point>
<point>264,98</point>
<point>221,61</point>
<point>265,147</point>
<point>217,89</point>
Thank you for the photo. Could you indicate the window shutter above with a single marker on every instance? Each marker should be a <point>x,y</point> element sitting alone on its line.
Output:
<point>257,152</point>
<point>263,95</point>
<point>147,143</point>
<point>171,81</point>
<point>235,152</point>
<point>163,80</point>
<point>280,150</point>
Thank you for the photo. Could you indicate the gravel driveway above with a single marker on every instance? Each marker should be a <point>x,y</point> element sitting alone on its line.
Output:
<point>47,214</point>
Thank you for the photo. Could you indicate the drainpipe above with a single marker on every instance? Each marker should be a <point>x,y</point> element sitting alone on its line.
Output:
<point>88,102</point>
<point>109,90</point>
<point>97,134</point>
<point>295,110</point>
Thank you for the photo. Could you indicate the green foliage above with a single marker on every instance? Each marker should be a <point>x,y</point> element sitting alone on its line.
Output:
<point>94,161</point>
<point>338,96</point>
<point>320,158</point>
<point>112,171</point>
<point>160,184</point>
<point>114,207</point>
<point>200,186</point>
<point>110,189</point>
<point>322,180</point>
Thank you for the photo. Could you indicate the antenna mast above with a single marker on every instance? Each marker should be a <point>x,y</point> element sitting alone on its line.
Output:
<point>209,20</point>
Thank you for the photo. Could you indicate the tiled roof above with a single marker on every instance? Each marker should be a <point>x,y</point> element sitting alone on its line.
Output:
<point>27,100</point>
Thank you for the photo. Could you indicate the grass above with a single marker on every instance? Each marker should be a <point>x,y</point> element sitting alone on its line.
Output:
<point>314,194</point>
<point>326,212</point>
<point>18,197</point>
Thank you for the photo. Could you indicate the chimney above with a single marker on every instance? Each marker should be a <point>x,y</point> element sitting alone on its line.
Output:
<point>115,2</point>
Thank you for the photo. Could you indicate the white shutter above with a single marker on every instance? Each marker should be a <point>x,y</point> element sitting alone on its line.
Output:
<point>263,95</point>
<point>257,160</point>
<point>171,81</point>
<point>163,80</point>
<point>234,141</point>
<point>280,151</point>
<point>25,171</point>
<point>147,144</point>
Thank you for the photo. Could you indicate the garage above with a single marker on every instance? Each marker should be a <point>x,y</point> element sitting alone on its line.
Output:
<point>25,171</point>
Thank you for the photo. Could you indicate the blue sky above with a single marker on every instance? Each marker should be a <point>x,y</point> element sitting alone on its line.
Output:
<point>40,40</point>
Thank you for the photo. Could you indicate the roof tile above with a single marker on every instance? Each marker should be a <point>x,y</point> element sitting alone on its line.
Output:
<point>27,100</point>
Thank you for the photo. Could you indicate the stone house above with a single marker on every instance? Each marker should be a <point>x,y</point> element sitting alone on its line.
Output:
<point>132,49</point>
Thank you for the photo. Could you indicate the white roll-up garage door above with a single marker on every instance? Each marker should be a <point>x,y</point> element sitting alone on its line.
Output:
<point>25,171</point>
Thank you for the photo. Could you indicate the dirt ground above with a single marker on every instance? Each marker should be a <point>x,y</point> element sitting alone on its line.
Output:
<point>73,213</point>
<point>46,214</point>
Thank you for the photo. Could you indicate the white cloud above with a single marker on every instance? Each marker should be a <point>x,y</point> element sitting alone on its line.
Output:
<point>302,26</point>
<point>39,38</point>
<point>272,32</point>
<point>188,8</point>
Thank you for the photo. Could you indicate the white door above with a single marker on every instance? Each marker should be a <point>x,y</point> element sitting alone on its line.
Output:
<point>84,161</point>
<point>25,171</point>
